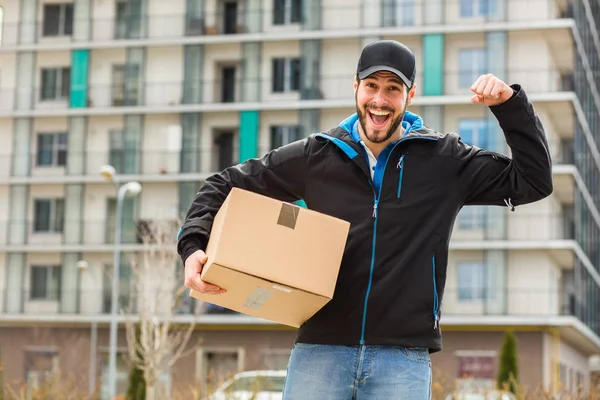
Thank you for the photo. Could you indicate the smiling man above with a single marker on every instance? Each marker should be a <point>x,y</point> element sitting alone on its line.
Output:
<point>400,185</point>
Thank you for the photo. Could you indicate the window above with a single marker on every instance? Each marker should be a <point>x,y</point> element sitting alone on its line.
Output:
<point>127,301</point>
<point>228,84</point>
<point>122,374</point>
<point>126,85</point>
<point>287,11</point>
<point>223,150</point>
<point>45,282</point>
<point>471,64</point>
<point>58,20</point>
<point>284,134</point>
<point>476,133</point>
<point>230,17</point>
<point>55,83</point>
<point>470,281</point>
<point>477,8</point>
<point>129,231</point>
<point>472,218</point>
<point>49,215</point>
<point>286,74</point>
<point>123,152</point>
<point>128,24</point>
<point>217,365</point>
<point>51,149</point>
<point>398,12</point>
<point>41,364</point>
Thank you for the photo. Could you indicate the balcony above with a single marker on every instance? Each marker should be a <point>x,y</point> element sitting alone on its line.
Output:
<point>89,232</point>
<point>474,225</point>
<point>218,95</point>
<point>515,301</point>
<point>542,80</point>
<point>484,223</point>
<point>155,165</point>
<point>457,302</point>
<point>93,302</point>
<point>239,20</point>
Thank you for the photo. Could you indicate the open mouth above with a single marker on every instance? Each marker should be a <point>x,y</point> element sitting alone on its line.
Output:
<point>379,118</point>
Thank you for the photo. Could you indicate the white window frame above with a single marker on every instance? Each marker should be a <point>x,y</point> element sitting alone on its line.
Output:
<point>52,216</point>
<point>56,148</point>
<point>471,72</point>
<point>287,12</point>
<point>59,84</point>
<point>472,270</point>
<point>62,19</point>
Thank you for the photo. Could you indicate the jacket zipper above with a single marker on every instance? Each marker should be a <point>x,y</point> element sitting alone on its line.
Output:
<point>376,196</point>
<point>401,169</point>
<point>435,296</point>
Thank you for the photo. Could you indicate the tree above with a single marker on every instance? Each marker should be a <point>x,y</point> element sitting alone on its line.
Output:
<point>508,373</point>
<point>136,389</point>
<point>156,292</point>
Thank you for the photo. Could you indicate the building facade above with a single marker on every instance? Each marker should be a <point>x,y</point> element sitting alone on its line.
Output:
<point>170,92</point>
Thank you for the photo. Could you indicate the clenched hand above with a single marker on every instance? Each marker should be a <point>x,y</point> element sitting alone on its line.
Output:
<point>193,268</point>
<point>490,91</point>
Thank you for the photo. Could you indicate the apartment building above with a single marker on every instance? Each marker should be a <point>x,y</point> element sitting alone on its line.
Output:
<point>170,92</point>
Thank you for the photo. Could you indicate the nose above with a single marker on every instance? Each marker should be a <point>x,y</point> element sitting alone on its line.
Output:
<point>379,99</point>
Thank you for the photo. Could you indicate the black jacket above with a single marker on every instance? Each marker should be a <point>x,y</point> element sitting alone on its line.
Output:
<point>391,282</point>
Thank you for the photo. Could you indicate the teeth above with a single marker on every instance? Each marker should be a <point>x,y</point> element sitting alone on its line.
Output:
<point>379,112</point>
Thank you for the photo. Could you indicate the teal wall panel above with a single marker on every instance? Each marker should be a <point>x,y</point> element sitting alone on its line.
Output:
<point>80,61</point>
<point>433,65</point>
<point>249,126</point>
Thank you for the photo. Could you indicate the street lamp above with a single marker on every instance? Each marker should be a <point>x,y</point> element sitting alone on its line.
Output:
<point>133,188</point>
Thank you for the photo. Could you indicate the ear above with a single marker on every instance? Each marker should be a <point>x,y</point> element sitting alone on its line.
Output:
<point>411,94</point>
<point>355,85</point>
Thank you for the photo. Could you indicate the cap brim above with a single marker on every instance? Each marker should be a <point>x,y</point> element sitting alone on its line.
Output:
<point>377,68</point>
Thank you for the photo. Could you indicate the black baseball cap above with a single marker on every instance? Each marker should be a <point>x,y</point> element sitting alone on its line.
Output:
<point>387,55</point>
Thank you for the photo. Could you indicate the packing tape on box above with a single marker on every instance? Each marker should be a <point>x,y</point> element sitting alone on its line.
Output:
<point>258,298</point>
<point>288,215</point>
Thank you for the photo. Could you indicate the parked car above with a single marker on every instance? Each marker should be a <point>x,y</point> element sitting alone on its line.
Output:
<point>252,385</point>
<point>481,395</point>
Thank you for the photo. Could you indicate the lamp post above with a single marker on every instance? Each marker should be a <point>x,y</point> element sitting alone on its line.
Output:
<point>134,188</point>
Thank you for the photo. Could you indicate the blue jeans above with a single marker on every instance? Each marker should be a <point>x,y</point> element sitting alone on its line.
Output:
<point>328,372</point>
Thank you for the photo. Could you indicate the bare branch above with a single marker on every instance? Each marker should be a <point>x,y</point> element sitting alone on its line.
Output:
<point>156,296</point>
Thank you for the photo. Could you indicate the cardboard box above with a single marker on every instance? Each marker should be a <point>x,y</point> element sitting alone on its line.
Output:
<point>276,260</point>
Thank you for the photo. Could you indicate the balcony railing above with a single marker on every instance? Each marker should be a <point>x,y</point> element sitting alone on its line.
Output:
<point>338,15</point>
<point>457,301</point>
<point>485,223</point>
<point>205,160</point>
<point>93,301</point>
<point>324,87</point>
<point>517,301</point>
<point>473,224</point>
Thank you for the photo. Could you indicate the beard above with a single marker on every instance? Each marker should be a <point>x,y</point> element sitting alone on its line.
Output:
<point>375,135</point>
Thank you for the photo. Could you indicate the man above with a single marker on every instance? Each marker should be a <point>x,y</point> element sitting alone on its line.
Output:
<point>401,186</point>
